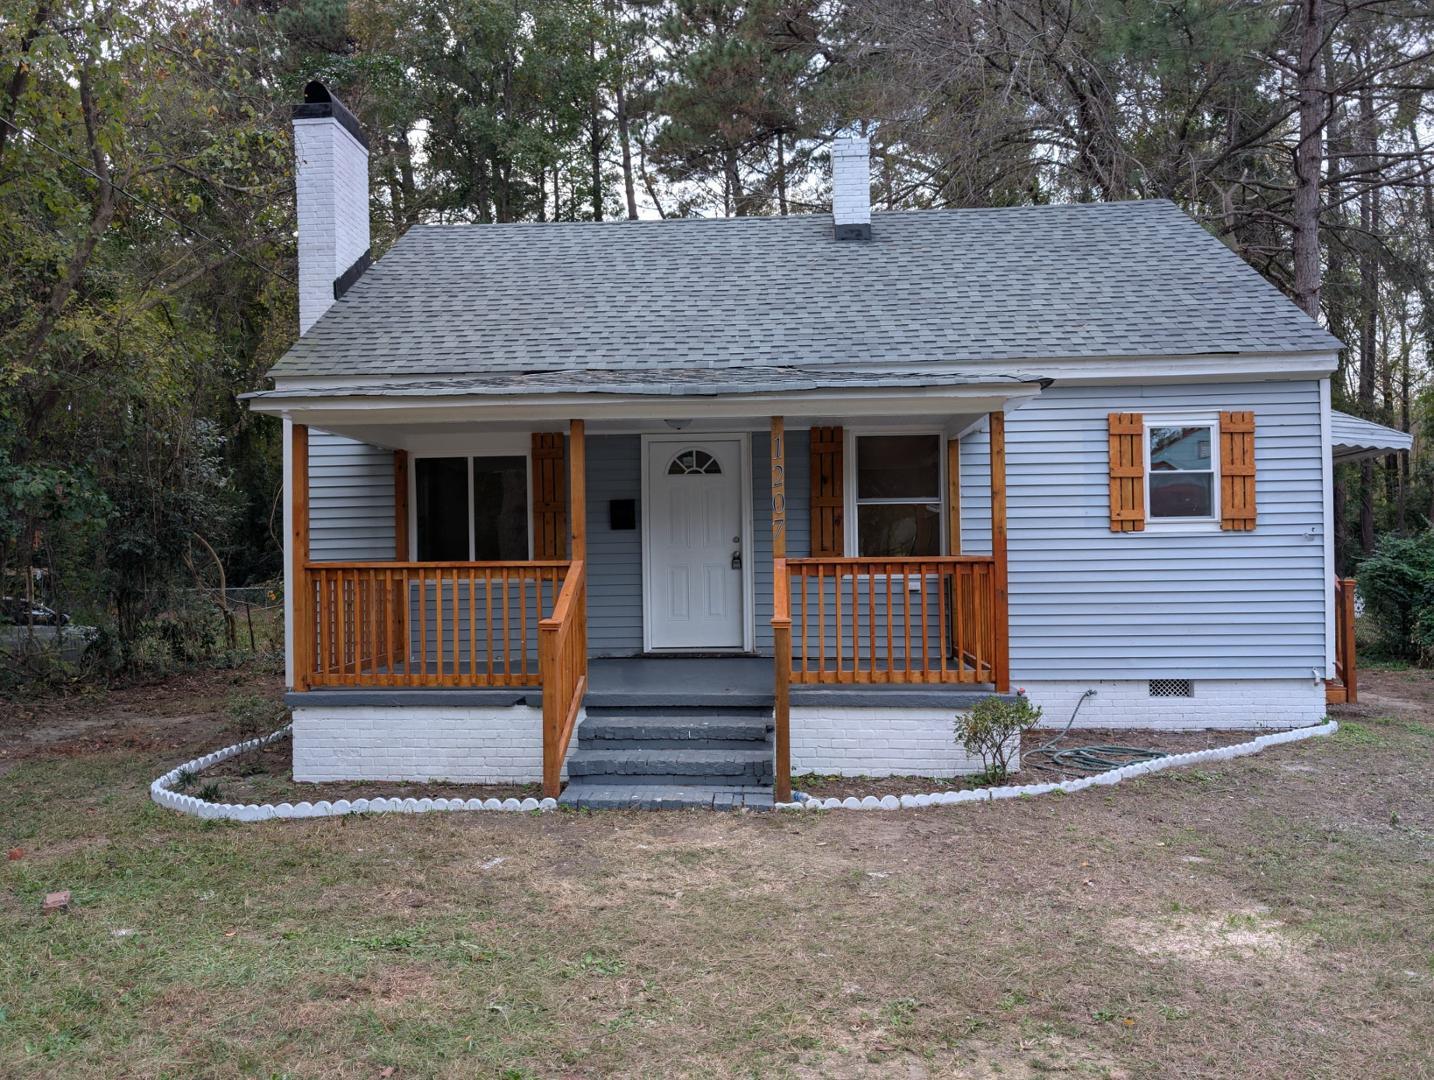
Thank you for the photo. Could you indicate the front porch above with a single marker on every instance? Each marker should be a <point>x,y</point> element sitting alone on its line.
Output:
<point>850,631</point>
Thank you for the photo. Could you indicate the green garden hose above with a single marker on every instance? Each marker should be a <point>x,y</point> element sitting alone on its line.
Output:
<point>1099,758</point>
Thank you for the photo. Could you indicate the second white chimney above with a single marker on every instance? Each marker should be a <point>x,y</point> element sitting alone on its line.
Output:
<point>331,174</point>
<point>851,187</point>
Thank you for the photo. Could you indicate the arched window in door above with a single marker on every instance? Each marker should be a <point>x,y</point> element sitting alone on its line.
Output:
<point>694,461</point>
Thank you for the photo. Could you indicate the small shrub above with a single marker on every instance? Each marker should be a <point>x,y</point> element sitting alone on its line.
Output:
<point>252,714</point>
<point>992,731</point>
<point>210,793</point>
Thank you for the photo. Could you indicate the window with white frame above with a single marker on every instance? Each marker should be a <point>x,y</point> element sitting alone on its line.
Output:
<point>1180,474</point>
<point>896,488</point>
<point>471,509</point>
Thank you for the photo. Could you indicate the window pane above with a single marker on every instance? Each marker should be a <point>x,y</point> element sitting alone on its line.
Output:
<point>1180,448</point>
<point>1176,495</point>
<point>442,508</point>
<point>898,530</point>
<point>898,467</point>
<point>500,509</point>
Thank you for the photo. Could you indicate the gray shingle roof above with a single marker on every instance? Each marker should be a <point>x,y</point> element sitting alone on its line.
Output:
<point>1114,279</point>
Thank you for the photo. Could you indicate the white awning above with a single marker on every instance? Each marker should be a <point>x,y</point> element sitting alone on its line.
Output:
<point>1354,439</point>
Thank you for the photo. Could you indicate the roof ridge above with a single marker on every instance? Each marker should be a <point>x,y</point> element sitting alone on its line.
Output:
<point>909,211</point>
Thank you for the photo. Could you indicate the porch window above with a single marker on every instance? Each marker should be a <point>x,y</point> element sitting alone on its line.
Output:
<point>472,509</point>
<point>897,495</point>
<point>1180,473</point>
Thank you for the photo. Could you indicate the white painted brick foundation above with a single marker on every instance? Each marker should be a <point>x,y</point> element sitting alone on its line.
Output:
<point>878,741</point>
<point>1215,703</point>
<point>463,744</point>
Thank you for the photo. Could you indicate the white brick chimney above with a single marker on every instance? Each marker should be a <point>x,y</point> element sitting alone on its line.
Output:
<point>331,175</point>
<point>851,187</point>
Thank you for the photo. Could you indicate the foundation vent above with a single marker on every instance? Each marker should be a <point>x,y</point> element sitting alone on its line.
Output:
<point>1171,688</point>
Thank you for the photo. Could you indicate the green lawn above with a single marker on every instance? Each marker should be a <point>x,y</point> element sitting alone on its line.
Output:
<point>1270,917</point>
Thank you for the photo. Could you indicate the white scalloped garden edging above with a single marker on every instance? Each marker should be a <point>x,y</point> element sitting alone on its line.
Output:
<point>160,791</point>
<point>1105,779</point>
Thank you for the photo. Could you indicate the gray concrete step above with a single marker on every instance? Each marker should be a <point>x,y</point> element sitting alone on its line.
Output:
<point>604,795</point>
<point>673,728</point>
<point>722,765</point>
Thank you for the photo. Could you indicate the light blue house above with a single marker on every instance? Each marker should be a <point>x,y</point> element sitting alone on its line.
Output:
<point>736,498</point>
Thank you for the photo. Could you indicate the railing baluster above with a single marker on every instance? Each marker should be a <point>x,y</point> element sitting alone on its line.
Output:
<point>906,623</point>
<point>472,679</point>
<point>856,624</point>
<point>457,671</point>
<point>821,625</point>
<point>941,621</point>
<point>523,626</point>
<point>871,623</point>
<point>423,624</point>
<point>801,576</point>
<point>342,627</point>
<point>925,627</point>
<point>507,641</point>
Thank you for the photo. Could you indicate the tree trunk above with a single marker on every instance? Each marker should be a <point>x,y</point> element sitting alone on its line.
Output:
<point>101,215</point>
<point>1337,298</point>
<point>21,75</point>
<point>651,188</point>
<point>1310,88</point>
<point>624,137</point>
<point>736,203</point>
<point>1404,477</point>
<point>781,176</point>
<point>1368,311</point>
<point>596,140</point>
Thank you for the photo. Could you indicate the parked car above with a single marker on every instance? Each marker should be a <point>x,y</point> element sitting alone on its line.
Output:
<point>17,611</point>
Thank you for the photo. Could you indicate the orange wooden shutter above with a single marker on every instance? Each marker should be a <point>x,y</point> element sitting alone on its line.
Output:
<point>827,490</point>
<point>1127,472</point>
<point>550,496</point>
<point>1237,471</point>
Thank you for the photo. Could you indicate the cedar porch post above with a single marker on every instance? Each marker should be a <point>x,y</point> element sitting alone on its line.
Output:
<point>400,505</point>
<point>781,614</point>
<point>302,600</point>
<point>396,643</point>
<point>953,496</point>
<point>1001,615</point>
<point>577,490</point>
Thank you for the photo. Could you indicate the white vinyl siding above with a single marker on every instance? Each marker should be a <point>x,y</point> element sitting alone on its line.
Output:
<point>1089,603</point>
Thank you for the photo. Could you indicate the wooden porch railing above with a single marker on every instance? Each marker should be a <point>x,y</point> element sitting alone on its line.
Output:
<point>1345,687</point>
<point>930,620</point>
<point>563,661</point>
<point>443,624</point>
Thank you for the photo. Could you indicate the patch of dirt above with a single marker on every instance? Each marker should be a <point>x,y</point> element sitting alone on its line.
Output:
<point>267,776</point>
<point>1035,769</point>
<point>1226,942</point>
<point>183,712</point>
<point>886,1054</point>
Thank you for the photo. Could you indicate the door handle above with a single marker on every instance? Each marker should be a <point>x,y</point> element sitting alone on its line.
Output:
<point>737,559</point>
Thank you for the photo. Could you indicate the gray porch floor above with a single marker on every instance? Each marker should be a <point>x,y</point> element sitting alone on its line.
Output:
<point>665,681</point>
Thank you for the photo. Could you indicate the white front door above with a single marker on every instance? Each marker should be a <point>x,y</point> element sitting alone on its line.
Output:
<point>694,543</point>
